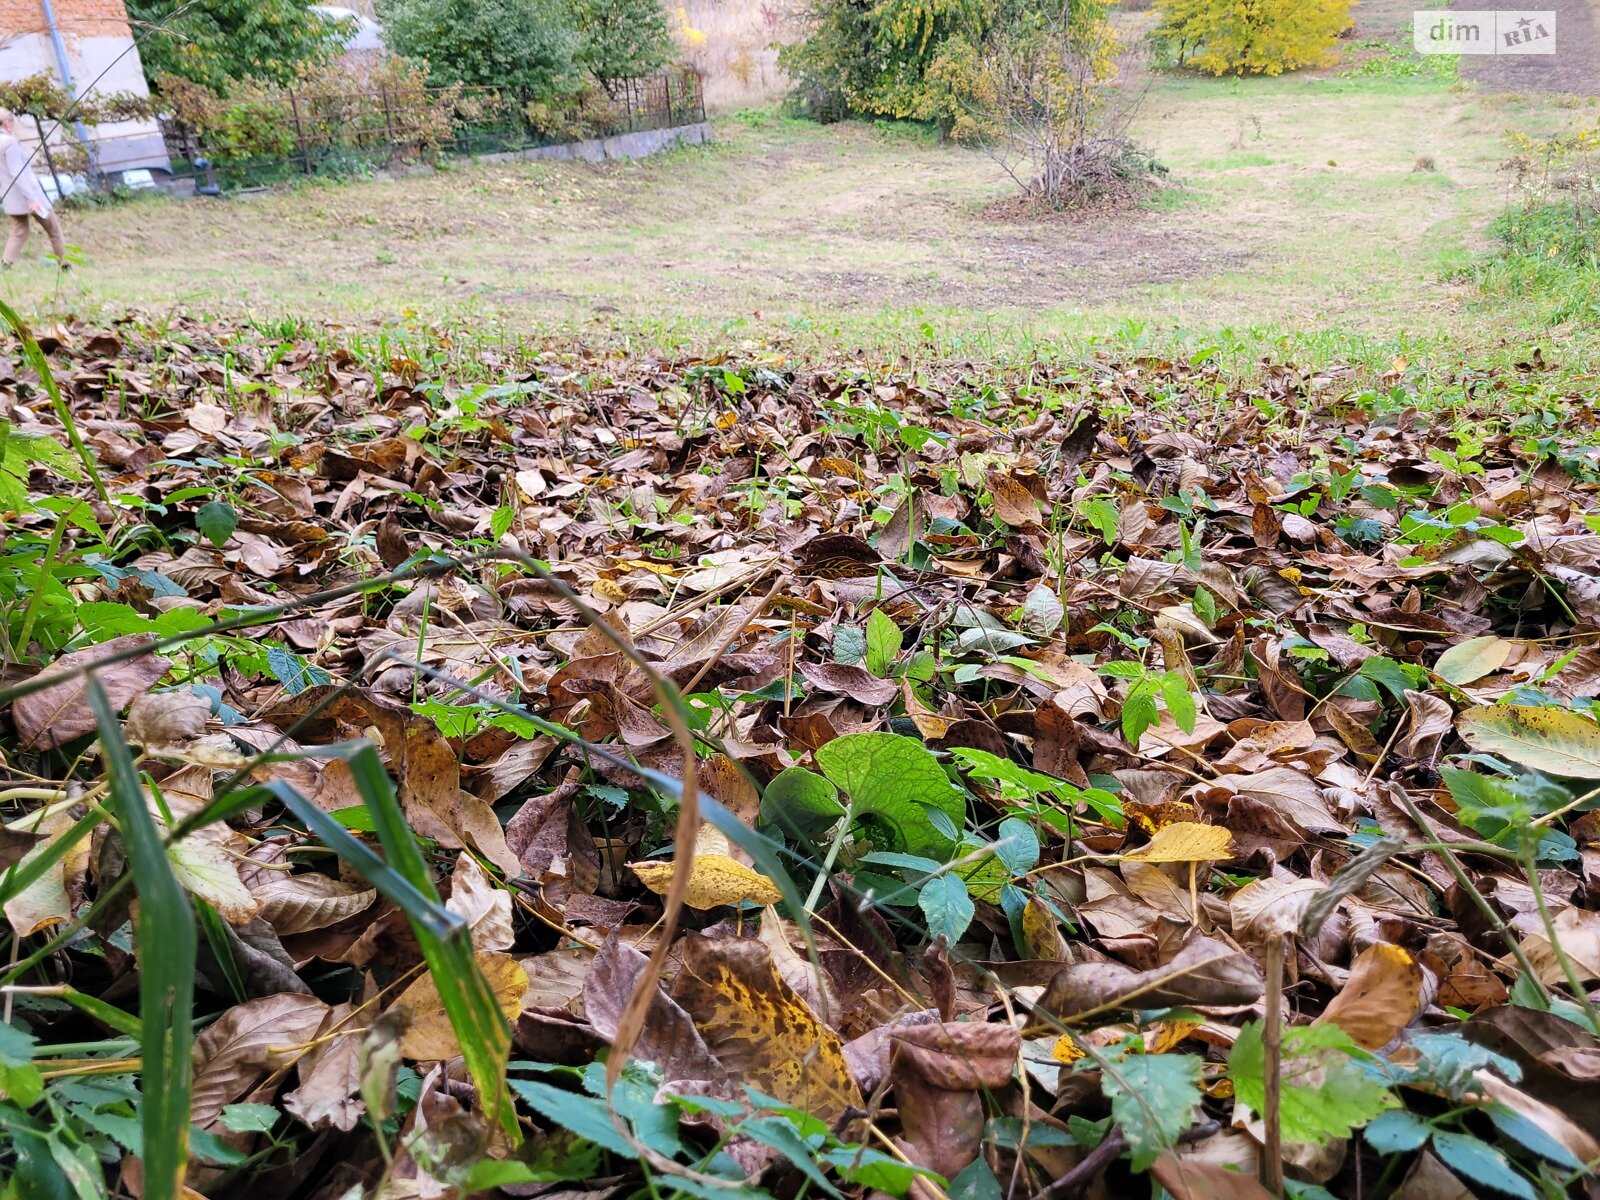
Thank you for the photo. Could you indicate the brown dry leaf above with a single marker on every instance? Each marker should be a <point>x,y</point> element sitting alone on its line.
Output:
<point>235,1053</point>
<point>173,718</point>
<point>1269,908</point>
<point>669,1037</point>
<point>714,880</point>
<point>207,862</point>
<point>809,981</point>
<point>846,679</point>
<point>1204,972</point>
<point>330,1076</point>
<point>1186,842</point>
<point>759,1029</point>
<point>1383,995</point>
<point>485,908</point>
<point>1187,1179</point>
<point>943,1073</point>
<point>429,1037</point>
<point>56,715</point>
<point>1578,934</point>
<point>1013,502</point>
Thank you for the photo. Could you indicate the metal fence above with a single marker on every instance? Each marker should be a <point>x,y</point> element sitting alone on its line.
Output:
<point>297,133</point>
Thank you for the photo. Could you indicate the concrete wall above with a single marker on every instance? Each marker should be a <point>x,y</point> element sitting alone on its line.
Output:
<point>623,145</point>
<point>103,57</point>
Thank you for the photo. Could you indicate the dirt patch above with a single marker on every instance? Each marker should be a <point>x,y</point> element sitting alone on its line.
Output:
<point>1574,68</point>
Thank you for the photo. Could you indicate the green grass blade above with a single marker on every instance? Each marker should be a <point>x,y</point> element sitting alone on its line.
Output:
<point>445,937</point>
<point>166,945</point>
<point>36,358</point>
<point>24,875</point>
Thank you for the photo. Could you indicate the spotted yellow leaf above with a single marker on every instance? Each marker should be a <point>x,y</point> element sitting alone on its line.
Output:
<point>714,880</point>
<point>1186,842</point>
<point>760,1029</point>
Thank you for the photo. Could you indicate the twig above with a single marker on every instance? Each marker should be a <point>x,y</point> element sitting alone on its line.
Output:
<point>1074,1181</point>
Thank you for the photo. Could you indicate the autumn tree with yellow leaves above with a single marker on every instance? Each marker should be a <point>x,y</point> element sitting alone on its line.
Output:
<point>1251,37</point>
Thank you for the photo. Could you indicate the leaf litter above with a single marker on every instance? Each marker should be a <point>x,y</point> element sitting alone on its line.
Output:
<point>1106,768</point>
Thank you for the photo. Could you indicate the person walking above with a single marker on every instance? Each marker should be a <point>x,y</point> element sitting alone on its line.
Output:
<point>24,198</point>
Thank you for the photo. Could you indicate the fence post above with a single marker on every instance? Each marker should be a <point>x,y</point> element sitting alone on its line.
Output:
<point>666,79</point>
<point>300,133</point>
<point>388,123</point>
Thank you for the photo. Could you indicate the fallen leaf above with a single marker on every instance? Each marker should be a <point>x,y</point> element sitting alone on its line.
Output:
<point>759,1029</point>
<point>56,715</point>
<point>430,1037</point>
<point>1382,996</point>
<point>1186,842</point>
<point>1556,741</point>
<point>714,880</point>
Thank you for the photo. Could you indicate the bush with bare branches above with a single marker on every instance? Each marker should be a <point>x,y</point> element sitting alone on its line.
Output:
<point>1053,104</point>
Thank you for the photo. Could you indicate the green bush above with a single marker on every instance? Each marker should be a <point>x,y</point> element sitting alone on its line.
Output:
<point>217,43</point>
<point>1250,37</point>
<point>905,59</point>
<point>525,47</point>
<point>621,39</point>
<point>1548,255</point>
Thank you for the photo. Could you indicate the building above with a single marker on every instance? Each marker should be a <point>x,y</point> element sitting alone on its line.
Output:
<point>89,45</point>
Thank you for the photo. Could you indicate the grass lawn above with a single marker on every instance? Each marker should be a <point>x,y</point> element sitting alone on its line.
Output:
<point>1323,206</point>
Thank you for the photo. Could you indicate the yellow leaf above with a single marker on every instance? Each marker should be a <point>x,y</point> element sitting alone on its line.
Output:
<point>1066,1049</point>
<point>430,1037</point>
<point>714,880</point>
<point>1186,842</point>
<point>1556,740</point>
<point>760,1029</point>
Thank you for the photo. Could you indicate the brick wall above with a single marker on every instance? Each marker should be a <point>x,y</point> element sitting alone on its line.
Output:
<point>77,18</point>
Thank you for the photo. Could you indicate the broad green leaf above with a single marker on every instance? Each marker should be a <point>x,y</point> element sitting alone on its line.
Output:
<point>1556,741</point>
<point>583,1115</point>
<point>874,1169</point>
<point>849,645</point>
<point>1325,1092</point>
<point>786,1140</point>
<point>1153,1098</point>
<point>1396,1132</point>
<point>1473,659</point>
<point>801,803</point>
<point>217,521</point>
<point>947,906</point>
<point>1180,703</point>
<point>1017,845</point>
<point>898,781</point>
<point>883,642</point>
<point>1482,1164</point>
<point>1139,714</point>
<point>1395,678</point>
<point>1533,1136</point>
<point>975,1182</point>
<point>249,1118</point>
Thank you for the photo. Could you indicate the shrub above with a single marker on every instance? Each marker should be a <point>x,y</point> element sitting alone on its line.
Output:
<point>526,47</point>
<point>336,106</point>
<point>1052,103</point>
<point>873,59</point>
<point>1251,37</point>
<point>220,42</point>
<point>621,39</point>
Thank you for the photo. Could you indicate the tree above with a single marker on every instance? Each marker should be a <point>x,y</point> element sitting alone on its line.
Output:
<point>621,39</point>
<point>873,57</point>
<point>1251,37</point>
<point>217,42</point>
<point>525,47</point>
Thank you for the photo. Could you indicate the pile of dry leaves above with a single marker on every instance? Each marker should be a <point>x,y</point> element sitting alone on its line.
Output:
<point>1114,769</point>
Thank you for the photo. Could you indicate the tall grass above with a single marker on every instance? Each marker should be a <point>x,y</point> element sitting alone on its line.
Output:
<point>732,43</point>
